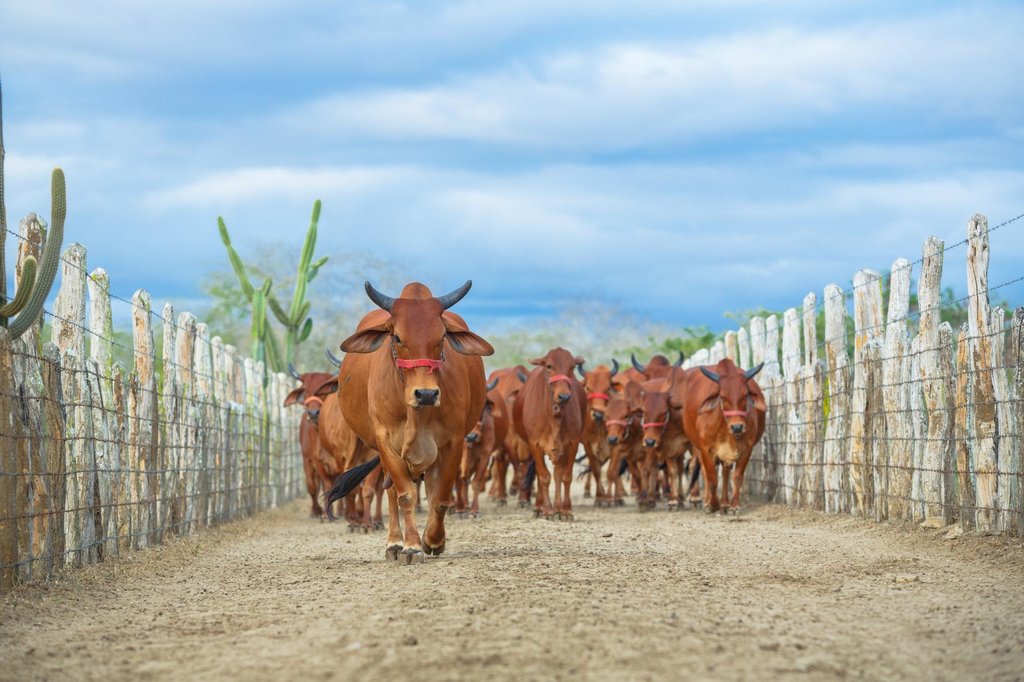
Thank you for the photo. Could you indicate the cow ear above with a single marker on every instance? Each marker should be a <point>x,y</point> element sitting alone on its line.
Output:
<point>366,340</point>
<point>537,361</point>
<point>327,388</point>
<point>468,343</point>
<point>710,404</point>
<point>293,397</point>
<point>757,398</point>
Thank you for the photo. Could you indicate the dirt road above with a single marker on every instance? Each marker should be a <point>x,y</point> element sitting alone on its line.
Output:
<point>614,595</point>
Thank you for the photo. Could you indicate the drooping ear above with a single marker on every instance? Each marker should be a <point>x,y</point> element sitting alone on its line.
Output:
<point>711,403</point>
<point>327,388</point>
<point>366,340</point>
<point>537,361</point>
<point>464,341</point>
<point>757,397</point>
<point>294,397</point>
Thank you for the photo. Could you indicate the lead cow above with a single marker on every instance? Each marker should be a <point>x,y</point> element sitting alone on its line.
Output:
<point>412,386</point>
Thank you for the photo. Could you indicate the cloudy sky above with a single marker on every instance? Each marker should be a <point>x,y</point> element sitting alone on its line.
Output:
<point>678,159</point>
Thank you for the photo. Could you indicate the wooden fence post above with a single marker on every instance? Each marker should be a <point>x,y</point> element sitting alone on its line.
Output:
<point>810,325</point>
<point>54,460</point>
<point>867,317</point>
<point>203,395</point>
<point>837,471</point>
<point>981,415</point>
<point>743,347</point>
<point>795,439</point>
<point>1007,446</point>
<point>964,466</point>
<point>731,349</point>
<point>950,506</point>
<point>101,355</point>
<point>929,297</point>
<point>170,413</point>
<point>899,456</point>
<point>10,433</point>
<point>775,432</point>
<point>1017,353</point>
<point>146,464</point>
<point>185,347</point>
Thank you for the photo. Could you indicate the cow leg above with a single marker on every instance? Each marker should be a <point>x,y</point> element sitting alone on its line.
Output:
<point>739,469</point>
<point>695,497</point>
<point>726,477</point>
<point>312,487</point>
<point>479,483</point>
<point>565,510</point>
<point>673,482</point>
<point>394,527</point>
<point>711,503</point>
<point>440,500</point>
<point>543,503</point>
<point>595,471</point>
<point>378,516</point>
<point>405,492</point>
<point>614,480</point>
<point>636,480</point>
<point>500,473</point>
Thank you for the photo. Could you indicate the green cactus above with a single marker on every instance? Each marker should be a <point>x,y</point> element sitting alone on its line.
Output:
<point>36,281</point>
<point>296,321</point>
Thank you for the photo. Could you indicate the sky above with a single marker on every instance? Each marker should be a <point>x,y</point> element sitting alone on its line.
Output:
<point>673,159</point>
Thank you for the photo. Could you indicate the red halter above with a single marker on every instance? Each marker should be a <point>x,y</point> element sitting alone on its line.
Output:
<point>311,399</point>
<point>603,396</point>
<point>619,422</point>
<point>734,413</point>
<point>422,362</point>
<point>560,377</point>
<point>652,424</point>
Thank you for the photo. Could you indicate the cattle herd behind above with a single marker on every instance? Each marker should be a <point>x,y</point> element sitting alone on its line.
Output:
<point>410,404</point>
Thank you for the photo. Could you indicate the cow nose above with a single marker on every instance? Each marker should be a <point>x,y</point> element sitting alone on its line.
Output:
<point>737,429</point>
<point>564,397</point>
<point>613,440</point>
<point>313,414</point>
<point>650,442</point>
<point>473,437</point>
<point>426,396</point>
<point>598,416</point>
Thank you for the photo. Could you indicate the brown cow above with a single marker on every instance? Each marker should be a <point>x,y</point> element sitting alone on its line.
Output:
<point>314,388</point>
<point>412,386</point>
<point>665,442</point>
<point>597,383</point>
<point>548,414</point>
<point>623,418</point>
<point>486,438</point>
<point>724,417</point>
<point>657,368</point>
<point>514,450</point>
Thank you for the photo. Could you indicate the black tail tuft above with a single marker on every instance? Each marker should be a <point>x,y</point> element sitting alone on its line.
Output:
<point>581,458</point>
<point>531,473</point>
<point>623,465</point>
<point>348,482</point>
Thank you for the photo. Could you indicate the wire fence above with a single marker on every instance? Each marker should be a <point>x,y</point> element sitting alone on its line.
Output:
<point>98,460</point>
<point>904,423</point>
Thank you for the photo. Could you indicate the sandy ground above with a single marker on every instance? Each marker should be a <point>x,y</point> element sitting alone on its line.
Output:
<point>776,594</point>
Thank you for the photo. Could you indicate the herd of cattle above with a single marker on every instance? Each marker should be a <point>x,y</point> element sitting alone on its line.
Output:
<point>410,404</point>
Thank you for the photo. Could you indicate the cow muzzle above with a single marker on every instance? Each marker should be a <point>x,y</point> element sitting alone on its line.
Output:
<point>650,442</point>
<point>737,429</point>
<point>427,397</point>
<point>613,440</point>
<point>314,415</point>
<point>563,398</point>
<point>597,415</point>
<point>472,437</point>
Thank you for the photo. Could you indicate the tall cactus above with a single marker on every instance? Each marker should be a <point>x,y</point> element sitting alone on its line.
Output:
<point>296,321</point>
<point>35,283</point>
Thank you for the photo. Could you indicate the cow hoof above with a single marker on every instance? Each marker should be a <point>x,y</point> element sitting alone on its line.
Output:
<point>501,503</point>
<point>523,504</point>
<point>620,502</point>
<point>411,556</point>
<point>367,529</point>
<point>734,511</point>
<point>696,503</point>
<point>378,525</point>
<point>462,514</point>
<point>433,550</point>
<point>565,516</point>
<point>474,515</point>
<point>392,552</point>
<point>536,513</point>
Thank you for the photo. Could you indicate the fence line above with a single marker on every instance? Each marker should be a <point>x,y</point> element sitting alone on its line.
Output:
<point>926,428</point>
<point>97,460</point>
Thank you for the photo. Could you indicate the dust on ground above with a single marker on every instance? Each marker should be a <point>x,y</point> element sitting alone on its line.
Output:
<point>617,595</point>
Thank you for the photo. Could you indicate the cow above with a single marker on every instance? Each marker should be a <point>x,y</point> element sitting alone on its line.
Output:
<point>514,450</point>
<point>724,417</point>
<point>313,388</point>
<point>657,368</point>
<point>486,438</point>
<point>665,442</point>
<point>548,414</point>
<point>411,386</point>
<point>597,383</point>
<point>623,418</point>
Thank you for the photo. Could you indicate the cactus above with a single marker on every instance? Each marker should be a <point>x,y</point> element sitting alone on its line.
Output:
<point>36,281</point>
<point>296,321</point>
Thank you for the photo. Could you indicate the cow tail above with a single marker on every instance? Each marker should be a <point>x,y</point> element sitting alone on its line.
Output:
<point>347,482</point>
<point>531,473</point>
<point>623,466</point>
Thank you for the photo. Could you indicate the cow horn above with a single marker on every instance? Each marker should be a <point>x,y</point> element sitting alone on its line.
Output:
<point>615,367</point>
<point>583,372</point>
<point>679,362</point>
<point>450,299</point>
<point>294,372</point>
<point>380,299</point>
<point>710,375</point>
<point>636,365</point>
<point>491,386</point>
<point>751,373</point>
<point>332,358</point>
<point>522,377</point>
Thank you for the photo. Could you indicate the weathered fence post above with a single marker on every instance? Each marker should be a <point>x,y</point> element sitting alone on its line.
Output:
<point>185,440</point>
<point>743,349</point>
<point>867,317</point>
<point>981,415</point>
<point>1006,444</point>
<point>964,463</point>
<point>145,466</point>
<point>204,437</point>
<point>895,376</point>
<point>170,412</point>
<point>101,355</point>
<point>1017,353</point>
<point>10,432</point>
<point>836,445</point>
<point>795,440</point>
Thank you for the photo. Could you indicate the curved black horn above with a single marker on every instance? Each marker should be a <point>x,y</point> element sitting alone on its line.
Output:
<point>679,362</point>
<point>751,373</point>
<point>522,377</point>
<point>615,367</point>
<point>294,372</point>
<point>583,372</point>
<point>332,358</point>
<point>450,299</point>
<point>491,386</point>
<point>710,375</point>
<point>380,299</point>
<point>636,365</point>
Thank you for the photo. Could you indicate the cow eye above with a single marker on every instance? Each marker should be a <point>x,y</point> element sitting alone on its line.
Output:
<point>398,340</point>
